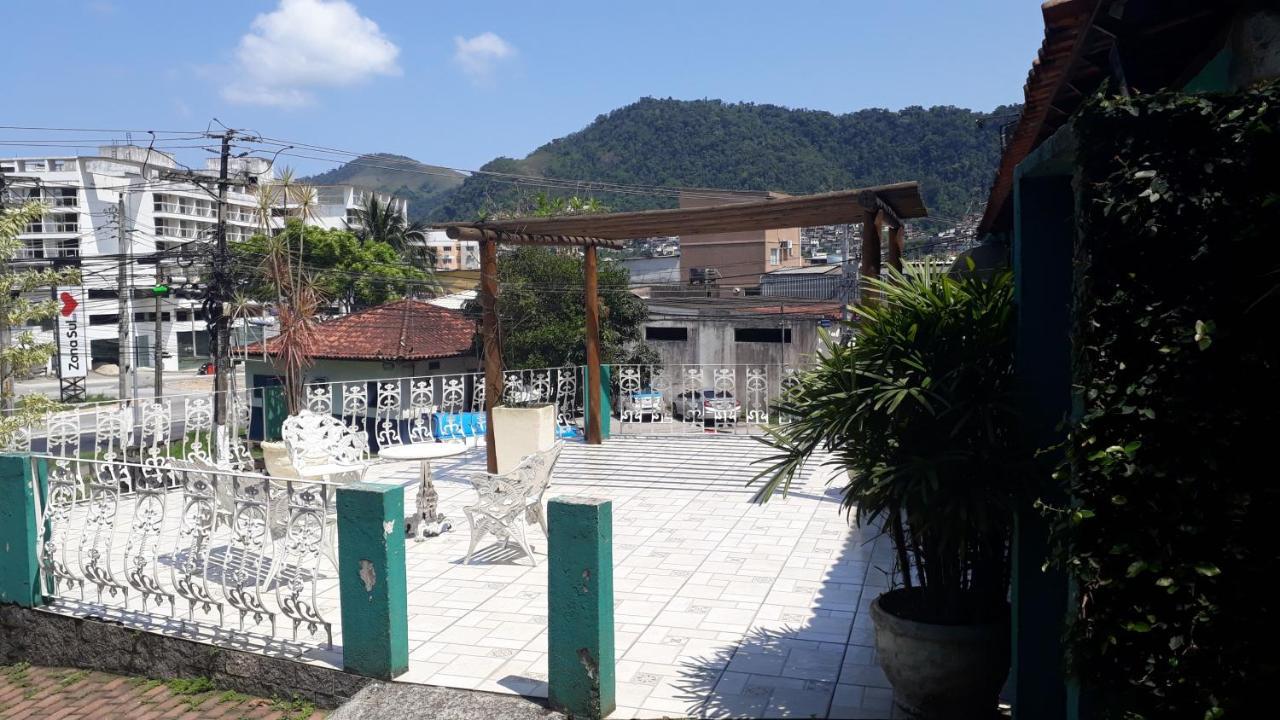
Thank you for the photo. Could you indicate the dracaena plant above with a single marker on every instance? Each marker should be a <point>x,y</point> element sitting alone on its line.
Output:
<point>917,412</point>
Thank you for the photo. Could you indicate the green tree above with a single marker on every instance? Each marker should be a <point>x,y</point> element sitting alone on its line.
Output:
<point>352,273</point>
<point>377,221</point>
<point>542,313</point>
<point>23,352</point>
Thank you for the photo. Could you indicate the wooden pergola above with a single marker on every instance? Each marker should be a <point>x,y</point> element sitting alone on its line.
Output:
<point>873,207</point>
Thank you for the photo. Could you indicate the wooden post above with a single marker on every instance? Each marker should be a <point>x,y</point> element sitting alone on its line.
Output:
<point>592,298</point>
<point>896,240</point>
<point>870,265</point>
<point>492,343</point>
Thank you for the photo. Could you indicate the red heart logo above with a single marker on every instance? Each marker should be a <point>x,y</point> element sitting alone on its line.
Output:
<point>69,304</point>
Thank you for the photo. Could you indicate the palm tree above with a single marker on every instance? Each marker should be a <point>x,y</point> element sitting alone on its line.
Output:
<point>380,221</point>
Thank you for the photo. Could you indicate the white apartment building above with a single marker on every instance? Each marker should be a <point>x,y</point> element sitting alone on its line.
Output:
<point>453,254</point>
<point>163,212</point>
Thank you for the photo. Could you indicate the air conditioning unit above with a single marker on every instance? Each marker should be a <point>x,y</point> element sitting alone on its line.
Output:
<point>786,244</point>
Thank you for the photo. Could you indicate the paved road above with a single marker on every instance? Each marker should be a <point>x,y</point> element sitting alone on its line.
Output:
<point>175,381</point>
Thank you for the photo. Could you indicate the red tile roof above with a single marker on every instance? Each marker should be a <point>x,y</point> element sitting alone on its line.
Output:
<point>400,330</point>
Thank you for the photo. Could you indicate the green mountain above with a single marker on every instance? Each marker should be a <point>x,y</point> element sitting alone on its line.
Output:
<point>744,146</point>
<point>713,144</point>
<point>424,186</point>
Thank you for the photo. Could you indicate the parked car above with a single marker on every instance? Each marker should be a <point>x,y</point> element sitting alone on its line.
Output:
<point>706,405</point>
<point>641,405</point>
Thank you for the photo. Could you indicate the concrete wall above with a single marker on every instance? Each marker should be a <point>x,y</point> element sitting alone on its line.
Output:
<point>711,342</point>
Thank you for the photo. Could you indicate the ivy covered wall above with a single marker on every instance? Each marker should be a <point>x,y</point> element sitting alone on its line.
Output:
<point>1171,534</point>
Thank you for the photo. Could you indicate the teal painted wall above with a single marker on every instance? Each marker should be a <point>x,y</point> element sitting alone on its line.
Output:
<point>19,535</point>
<point>580,662</point>
<point>372,580</point>
<point>1044,233</point>
<point>606,408</point>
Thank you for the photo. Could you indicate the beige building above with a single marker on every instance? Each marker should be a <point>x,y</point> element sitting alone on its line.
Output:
<point>736,258</point>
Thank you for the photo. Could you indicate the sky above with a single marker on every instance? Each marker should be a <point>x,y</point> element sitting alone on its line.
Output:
<point>459,83</point>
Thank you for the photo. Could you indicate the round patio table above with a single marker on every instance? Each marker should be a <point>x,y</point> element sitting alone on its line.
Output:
<point>426,521</point>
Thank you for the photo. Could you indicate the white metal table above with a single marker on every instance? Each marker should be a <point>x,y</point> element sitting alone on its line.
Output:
<point>426,521</point>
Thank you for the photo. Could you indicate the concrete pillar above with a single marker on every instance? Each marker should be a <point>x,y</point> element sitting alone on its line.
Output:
<point>1044,209</point>
<point>19,533</point>
<point>580,662</point>
<point>371,580</point>
<point>606,401</point>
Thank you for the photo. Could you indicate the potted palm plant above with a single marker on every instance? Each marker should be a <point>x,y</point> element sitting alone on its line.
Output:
<point>917,413</point>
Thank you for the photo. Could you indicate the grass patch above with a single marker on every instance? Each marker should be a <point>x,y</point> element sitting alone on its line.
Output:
<point>17,673</point>
<point>72,678</point>
<point>190,686</point>
<point>294,709</point>
<point>231,696</point>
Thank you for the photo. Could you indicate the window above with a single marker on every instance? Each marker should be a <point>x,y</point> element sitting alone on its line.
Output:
<point>62,197</point>
<point>762,335</point>
<point>670,334</point>
<point>773,256</point>
<point>36,165</point>
<point>59,165</point>
<point>63,224</point>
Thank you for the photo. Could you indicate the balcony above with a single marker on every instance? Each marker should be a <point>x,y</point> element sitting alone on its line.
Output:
<point>723,607</point>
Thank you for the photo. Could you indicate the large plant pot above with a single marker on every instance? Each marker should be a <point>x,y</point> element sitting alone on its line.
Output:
<point>522,431</point>
<point>275,457</point>
<point>942,671</point>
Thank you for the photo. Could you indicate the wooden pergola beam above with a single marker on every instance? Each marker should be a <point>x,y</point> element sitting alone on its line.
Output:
<point>901,200</point>
<point>479,234</point>
<point>876,207</point>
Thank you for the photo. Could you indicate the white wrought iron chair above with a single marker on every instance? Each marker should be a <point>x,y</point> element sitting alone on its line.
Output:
<point>509,501</point>
<point>321,446</point>
<point>543,464</point>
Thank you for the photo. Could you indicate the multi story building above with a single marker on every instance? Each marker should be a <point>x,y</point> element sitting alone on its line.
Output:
<point>735,258</point>
<point>453,254</point>
<point>166,209</point>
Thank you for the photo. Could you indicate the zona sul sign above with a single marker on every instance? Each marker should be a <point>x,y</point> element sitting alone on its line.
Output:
<point>73,343</point>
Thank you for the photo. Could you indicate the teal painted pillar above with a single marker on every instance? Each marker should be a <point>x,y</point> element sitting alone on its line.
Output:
<point>606,410</point>
<point>371,580</point>
<point>1044,233</point>
<point>19,532</point>
<point>580,662</point>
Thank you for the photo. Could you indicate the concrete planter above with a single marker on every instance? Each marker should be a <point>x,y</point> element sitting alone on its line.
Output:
<point>275,456</point>
<point>522,431</point>
<point>942,671</point>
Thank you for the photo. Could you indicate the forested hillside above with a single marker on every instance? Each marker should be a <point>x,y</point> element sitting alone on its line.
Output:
<point>424,186</point>
<point>709,143</point>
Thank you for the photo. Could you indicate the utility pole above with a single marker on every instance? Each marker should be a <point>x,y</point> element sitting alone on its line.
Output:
<point>124,290</point>
<point>846,281</point>
<point>159,331</point>
<point>215,311</point>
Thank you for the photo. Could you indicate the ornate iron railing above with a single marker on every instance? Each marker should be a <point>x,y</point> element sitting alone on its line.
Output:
<point>673,399</point>
<point>183,541</point>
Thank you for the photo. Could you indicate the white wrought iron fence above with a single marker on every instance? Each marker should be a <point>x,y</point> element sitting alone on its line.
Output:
<point>178,540</point>
<point>672,399</point>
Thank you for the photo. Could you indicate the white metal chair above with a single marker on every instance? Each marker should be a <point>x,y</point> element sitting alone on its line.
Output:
<point>509,501</point>
<point>543,464</point>
<point>321,446</point>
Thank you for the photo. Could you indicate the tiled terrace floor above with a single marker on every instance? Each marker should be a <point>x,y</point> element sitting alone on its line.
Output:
<point>723,607</point>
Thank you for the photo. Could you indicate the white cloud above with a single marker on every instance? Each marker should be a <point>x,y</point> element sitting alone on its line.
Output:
<point>479,56</point>
<point>307,44</point>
